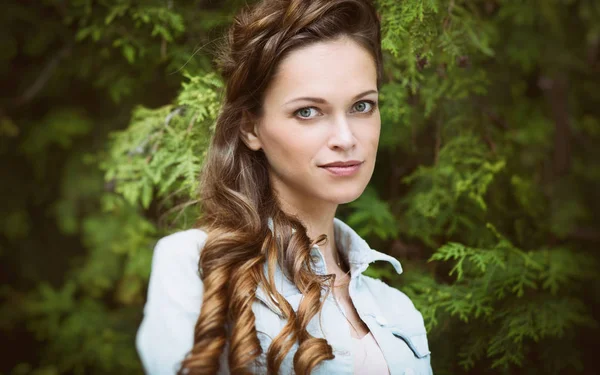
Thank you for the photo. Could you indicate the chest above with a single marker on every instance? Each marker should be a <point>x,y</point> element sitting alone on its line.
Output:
<point>397,329</point>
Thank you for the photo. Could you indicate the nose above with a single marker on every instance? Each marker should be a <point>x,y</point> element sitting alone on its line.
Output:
<point>341,136</point>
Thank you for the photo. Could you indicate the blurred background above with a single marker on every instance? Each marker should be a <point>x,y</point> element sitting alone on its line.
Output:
<point>486,186</point>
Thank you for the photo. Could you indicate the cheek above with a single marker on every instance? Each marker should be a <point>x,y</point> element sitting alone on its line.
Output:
<point>376,131</point>
<point>369,135</point>
<point>375,136</point>
<point>288,145</point>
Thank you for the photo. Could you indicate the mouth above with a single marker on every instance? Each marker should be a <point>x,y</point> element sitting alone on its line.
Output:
<point>342,169</point>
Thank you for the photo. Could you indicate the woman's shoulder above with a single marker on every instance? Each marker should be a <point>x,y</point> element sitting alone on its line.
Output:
<point>179,250</point>
<point>388,293</point>
<point>173,302</point>
<point>174,273</point>
<point>176,256</point>
<point>183,243</point>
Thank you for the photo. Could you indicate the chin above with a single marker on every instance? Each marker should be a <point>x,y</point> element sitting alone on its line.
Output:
<point>346,195</point>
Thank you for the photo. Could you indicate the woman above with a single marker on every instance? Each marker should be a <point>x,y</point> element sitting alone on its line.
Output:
<point>270,281</point>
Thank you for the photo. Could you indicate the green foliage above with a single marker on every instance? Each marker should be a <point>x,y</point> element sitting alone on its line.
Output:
<point>70,326</point>
<point>485,188</point>
<point>457,182</point>
<point>372,216</point>
<point>163,148</point>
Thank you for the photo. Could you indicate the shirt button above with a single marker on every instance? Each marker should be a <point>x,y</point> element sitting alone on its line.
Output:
<point>381,320</point>
<point>344,353</point>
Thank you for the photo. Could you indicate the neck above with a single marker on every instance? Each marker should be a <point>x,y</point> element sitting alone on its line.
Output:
<point>318,219</point>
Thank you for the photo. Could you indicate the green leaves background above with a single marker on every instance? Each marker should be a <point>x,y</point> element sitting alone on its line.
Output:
<point>485,186</point>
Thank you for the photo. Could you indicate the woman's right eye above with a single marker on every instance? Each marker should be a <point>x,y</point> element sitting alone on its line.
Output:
<point>306,113</point>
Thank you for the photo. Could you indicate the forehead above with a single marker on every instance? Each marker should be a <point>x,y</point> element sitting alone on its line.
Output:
<point>338,68</point>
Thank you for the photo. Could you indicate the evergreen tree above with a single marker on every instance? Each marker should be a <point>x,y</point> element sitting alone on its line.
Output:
<point>485,187</point>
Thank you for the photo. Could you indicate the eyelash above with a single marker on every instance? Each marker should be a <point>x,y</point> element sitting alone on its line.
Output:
<point>372,103</point>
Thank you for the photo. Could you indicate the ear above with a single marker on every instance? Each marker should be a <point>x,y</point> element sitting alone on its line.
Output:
<point>249,131</point>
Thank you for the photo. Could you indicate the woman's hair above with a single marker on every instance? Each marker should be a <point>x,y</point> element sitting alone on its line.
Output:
<point>237,200</point>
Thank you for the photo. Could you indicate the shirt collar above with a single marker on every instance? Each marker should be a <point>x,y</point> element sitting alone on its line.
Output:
<point>354,248</point>
<point>357,251</point>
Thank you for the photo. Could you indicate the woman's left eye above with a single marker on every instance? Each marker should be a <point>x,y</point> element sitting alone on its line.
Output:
<point>364,106</point>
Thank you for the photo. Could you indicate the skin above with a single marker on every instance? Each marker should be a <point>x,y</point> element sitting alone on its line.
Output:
<point>299,135</point>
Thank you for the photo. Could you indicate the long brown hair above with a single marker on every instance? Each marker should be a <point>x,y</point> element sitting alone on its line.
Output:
<point>237,200</point>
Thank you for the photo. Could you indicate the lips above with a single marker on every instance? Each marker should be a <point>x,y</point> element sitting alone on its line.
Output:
<point>348,163</point>
<point>343,168</point>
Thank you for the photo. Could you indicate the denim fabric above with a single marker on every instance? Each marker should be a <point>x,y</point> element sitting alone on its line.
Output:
<point>175,295</point>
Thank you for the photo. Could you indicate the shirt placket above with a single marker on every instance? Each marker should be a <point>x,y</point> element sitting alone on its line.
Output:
<point>342,339</point>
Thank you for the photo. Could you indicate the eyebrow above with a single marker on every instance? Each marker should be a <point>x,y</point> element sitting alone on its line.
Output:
<point>322,101</point>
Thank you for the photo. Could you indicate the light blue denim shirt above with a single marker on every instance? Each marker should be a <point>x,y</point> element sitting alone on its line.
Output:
<point>175,295</point>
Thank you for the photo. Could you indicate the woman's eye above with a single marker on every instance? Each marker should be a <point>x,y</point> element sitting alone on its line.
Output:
<point>364,106</point>
<point>305,113</point>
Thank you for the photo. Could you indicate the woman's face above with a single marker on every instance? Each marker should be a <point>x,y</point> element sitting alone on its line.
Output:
<point>320,108</point>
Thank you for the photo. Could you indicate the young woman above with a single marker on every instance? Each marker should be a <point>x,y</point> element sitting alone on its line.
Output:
<point>270,281</point>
